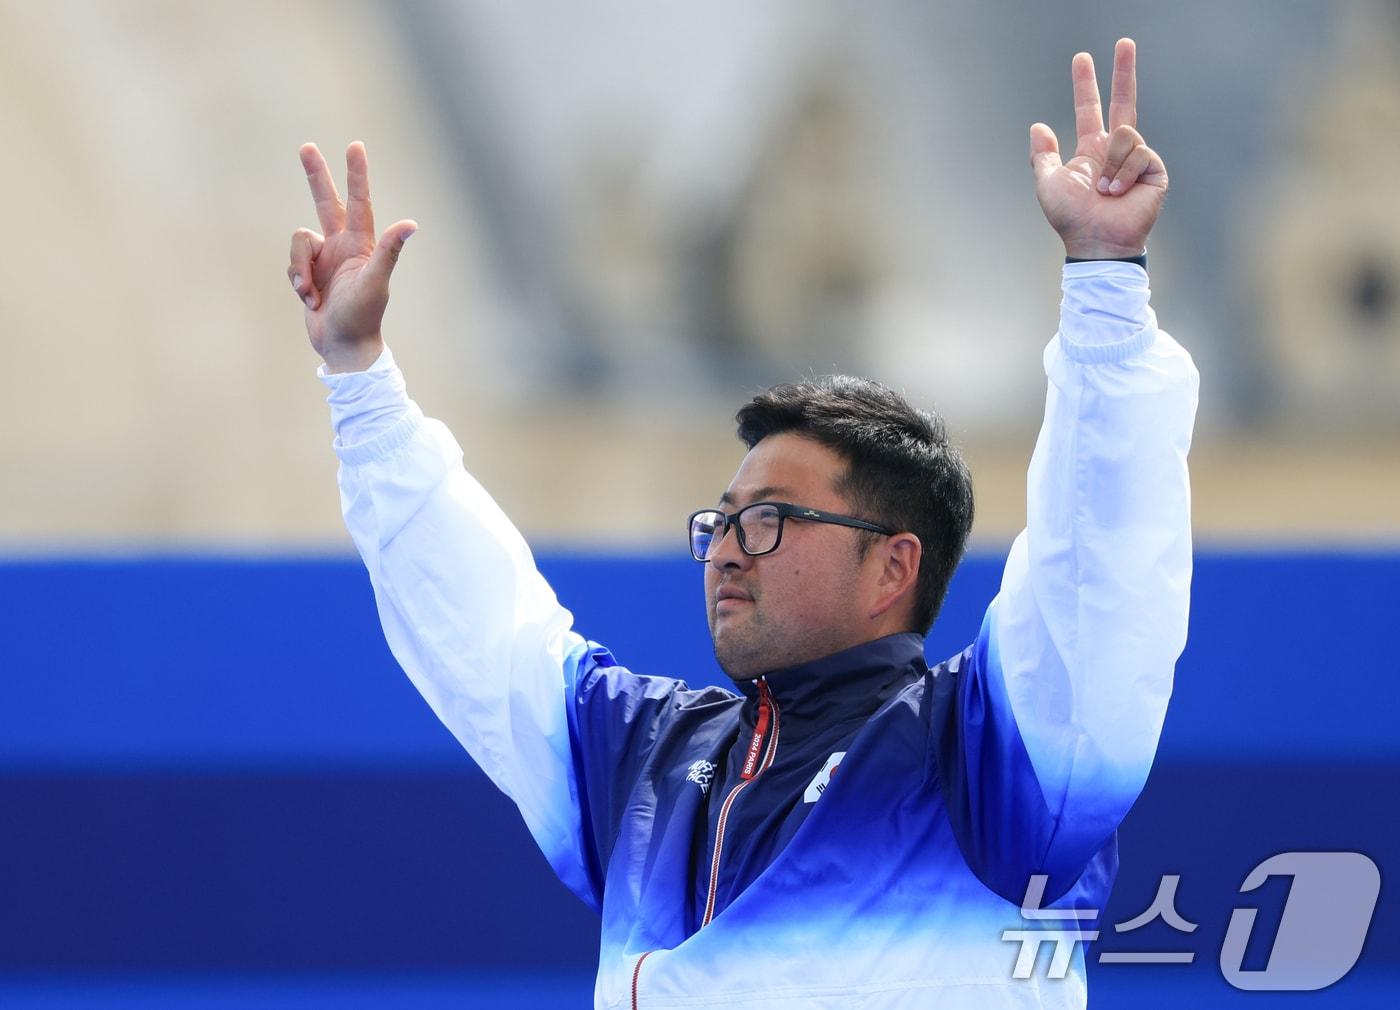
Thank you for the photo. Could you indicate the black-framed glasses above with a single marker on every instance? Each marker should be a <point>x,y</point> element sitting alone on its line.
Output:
<point>760,526</point>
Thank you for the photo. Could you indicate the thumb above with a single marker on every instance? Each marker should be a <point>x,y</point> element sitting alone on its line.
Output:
<point>1045,151</point>
<point>386,252</point>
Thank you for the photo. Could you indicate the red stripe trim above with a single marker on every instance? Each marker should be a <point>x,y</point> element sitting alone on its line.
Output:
<point>766,706</point>
<point>719,847</point>
<point>636,974</point>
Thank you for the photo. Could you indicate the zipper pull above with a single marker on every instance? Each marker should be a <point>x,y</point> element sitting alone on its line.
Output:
<point>760,730</point>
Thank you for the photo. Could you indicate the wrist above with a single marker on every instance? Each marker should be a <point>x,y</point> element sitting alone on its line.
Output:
<point>1140,261</point>
<point>353,359</point>
<point>1103,251</point>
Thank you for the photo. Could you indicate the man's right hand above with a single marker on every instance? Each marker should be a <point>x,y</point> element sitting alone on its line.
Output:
<point>342,275</point>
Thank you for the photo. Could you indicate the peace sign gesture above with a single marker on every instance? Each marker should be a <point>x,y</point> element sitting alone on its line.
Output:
<point>1104,200</point>
<point>342,273</point>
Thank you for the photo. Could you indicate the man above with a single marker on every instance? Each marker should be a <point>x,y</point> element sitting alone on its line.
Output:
<point>852,828</point>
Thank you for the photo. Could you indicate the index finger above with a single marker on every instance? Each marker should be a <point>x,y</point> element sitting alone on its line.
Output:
<point>329,210</point>
<point>1122,103</point>
<point>1088,113</point>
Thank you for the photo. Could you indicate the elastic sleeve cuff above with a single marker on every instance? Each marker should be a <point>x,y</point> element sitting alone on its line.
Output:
<point>366,405</point>
<point>385,443</point>
<point>1104,312</point>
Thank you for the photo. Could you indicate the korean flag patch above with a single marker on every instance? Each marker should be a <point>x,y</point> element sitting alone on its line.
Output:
<point>823,778</point>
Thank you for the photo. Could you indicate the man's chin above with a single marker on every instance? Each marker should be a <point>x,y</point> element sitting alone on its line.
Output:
<point>737,662</point>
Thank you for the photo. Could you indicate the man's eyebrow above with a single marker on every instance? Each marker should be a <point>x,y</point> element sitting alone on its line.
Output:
<point>767,491</point>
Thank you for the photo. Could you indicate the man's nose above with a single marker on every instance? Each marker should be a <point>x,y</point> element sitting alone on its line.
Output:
<point>727,553</point>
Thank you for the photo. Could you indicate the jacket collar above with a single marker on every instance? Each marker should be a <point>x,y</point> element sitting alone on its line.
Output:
<point>852,683</point>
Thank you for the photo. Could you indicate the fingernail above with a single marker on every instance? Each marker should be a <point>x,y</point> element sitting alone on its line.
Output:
<point>1117,186</point>
<point>296,280</point>
<point>1103,184</point>
<point>310,301</point>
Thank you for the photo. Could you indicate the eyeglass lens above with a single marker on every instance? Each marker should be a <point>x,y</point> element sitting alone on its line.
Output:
<point>703,529</point>
<point>759,524</point>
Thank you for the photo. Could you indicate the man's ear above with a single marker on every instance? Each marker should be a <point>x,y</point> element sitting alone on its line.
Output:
<point>898,557</point>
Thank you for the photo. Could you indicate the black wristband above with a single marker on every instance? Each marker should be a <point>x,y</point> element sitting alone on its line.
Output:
<point>1139,260</point>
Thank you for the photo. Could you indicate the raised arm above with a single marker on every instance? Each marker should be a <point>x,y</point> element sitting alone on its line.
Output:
<point>1060,702</point>
<point>547,715</point>
<point>464,609</point>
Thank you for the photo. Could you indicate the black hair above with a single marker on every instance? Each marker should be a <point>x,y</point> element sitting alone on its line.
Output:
<point>902,472</point>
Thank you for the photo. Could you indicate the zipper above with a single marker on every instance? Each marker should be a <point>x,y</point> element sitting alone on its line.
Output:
<point>763,748</point>
<point>636,974</point>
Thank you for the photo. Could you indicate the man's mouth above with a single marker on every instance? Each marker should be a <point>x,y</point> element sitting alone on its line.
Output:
<point>730,598</point>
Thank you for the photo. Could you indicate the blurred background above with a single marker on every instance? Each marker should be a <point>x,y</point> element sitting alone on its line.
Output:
<point>218,791</point>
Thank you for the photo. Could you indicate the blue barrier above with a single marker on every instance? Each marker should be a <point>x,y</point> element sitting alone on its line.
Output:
<point>213,765</point>
<point>276,663</point>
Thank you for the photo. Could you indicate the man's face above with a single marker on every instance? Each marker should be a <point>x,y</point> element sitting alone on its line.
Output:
<point>804,600</point>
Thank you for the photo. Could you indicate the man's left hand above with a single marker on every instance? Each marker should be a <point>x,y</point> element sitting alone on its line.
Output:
<point>1104,200</point>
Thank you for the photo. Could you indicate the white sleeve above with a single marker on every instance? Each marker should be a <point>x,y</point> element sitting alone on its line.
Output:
<point>464,609</point>
<point>1092,611</point>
